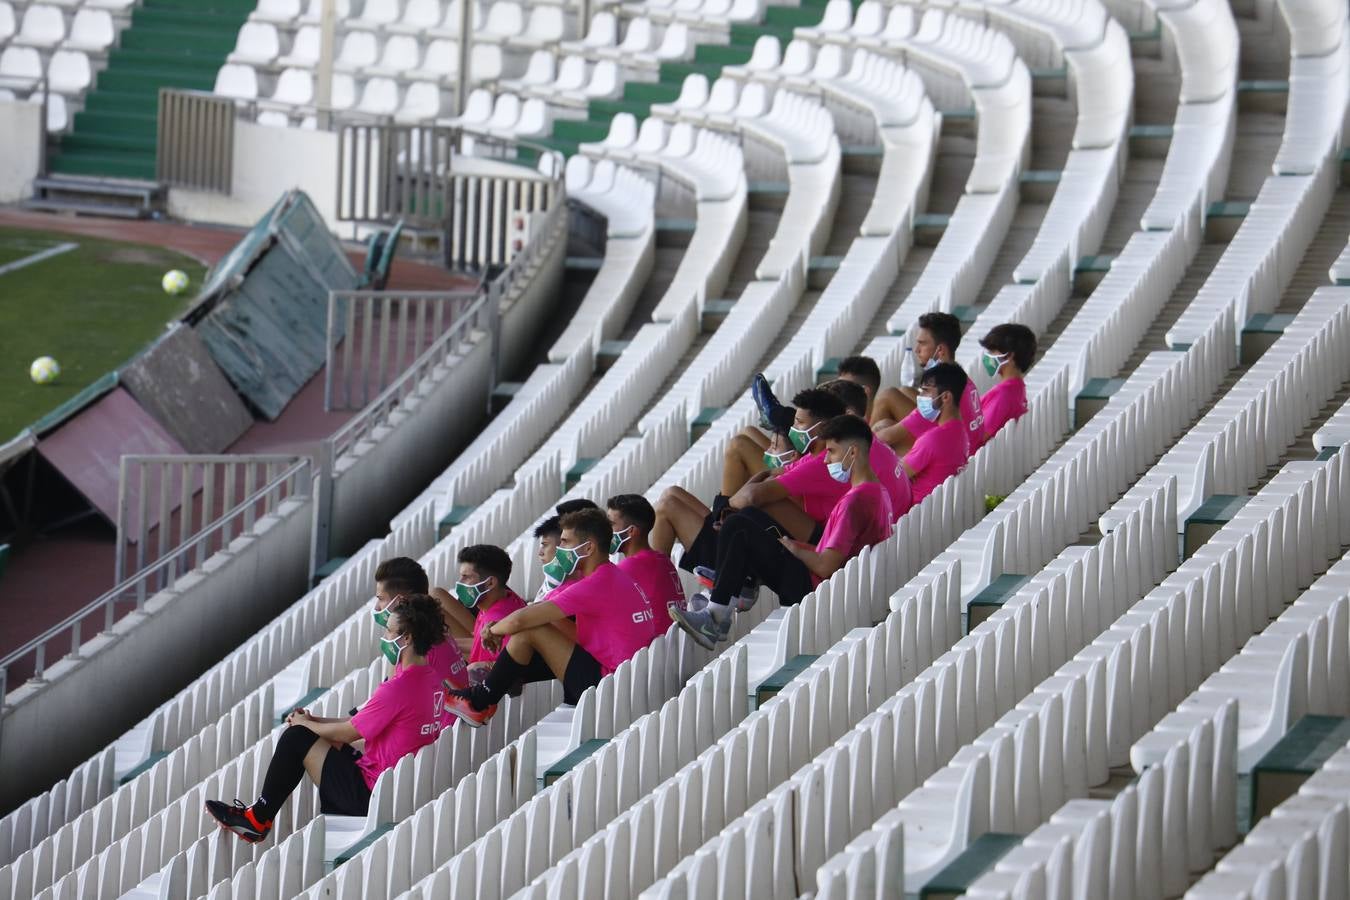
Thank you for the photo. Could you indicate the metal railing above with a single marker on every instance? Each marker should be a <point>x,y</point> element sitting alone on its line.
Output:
<point>132,592</point>
<point>171,500</point>
<point>195,141</point>
<point>374,335</point>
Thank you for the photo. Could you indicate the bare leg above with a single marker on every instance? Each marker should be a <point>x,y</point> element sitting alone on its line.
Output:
<point>897,437</point>
<point>743,458</point>
<point>679,515</point>
<point>892,405</point>
<point>315,757</point>
<point>792,517</point>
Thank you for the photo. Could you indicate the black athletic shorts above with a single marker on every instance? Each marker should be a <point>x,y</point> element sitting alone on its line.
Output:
<point>703,550</point>
<point>583,671</point>
<point>342,788</point>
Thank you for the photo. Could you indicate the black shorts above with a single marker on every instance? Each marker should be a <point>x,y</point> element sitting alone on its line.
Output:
<point>342,787</point>
<point>583,671</point>
<point>703,550</point>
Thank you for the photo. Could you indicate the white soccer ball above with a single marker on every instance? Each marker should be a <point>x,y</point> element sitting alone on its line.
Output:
<point>175,281</point>
<point>44,370</point>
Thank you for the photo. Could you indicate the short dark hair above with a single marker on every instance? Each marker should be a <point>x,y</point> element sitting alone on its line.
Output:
<point>402,575</point>
<point>634,508</point>
<point>846,428</point>
<point>864,368</point>
<point>944,327</point>
<point>591,524</point>
<point>488,559</point>
<point>850,394</point>
<point>820,403</point>
<point>1010,337</point>
<point>421,620</point>
<point>946,377</point>
<point>571,506</point>
<point>550,527</point>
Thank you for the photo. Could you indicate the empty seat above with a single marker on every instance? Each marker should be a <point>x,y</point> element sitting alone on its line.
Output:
<point>282,12</point>
<point>295,87</point>
<point>441,62</point>
<point>91,29</point>
<point>401,54</point>
<point>377,14</point>
<point>237,81</point>
<point>58,114</point>
<point>6,20</point>
<point>43,26</point>
<point>21,62</point>
<point>359,50</point>
<point>258,44</point>
<point>304,51</point>
<point>379,97</point>
<point>422,102</point>
<point>314,11</point>
<point>504,20</point>
<point>69,72</point>
<point>419,16</point>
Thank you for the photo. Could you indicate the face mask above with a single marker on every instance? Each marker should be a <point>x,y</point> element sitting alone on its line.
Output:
<point>565,560</point>
<point>470,594</point>
<point>928,408</point>
<point>391,650</point>
<point>381,616</point>
<point>801,437</point>
<point>992,362</point>
<point>839,472</point>
<point>616,543</point>
<point>779,460</point>
<point>932,361</point>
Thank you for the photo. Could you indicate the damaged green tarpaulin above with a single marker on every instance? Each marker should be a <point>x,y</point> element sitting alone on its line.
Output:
<point>263,313</point>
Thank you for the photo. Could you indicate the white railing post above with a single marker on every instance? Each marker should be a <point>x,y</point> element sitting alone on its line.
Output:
<point>465,54</point>
<point>323,87</point>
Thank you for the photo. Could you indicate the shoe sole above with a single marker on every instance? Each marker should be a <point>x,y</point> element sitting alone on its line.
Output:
<point>248,837</point>
<point>464,717</point>
<point>697,636</point>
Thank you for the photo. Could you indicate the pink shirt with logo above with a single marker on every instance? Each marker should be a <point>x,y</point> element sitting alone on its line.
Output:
<point>446,660</point>
<point>403,715</point>
<point>941,452</point>
<point>1002,403</point>
<point>614,617</point>
<point>499,610</point>
<point>656,575</point>
<point>861,518</point>
<point>971,413</point>
<point>818,493</point>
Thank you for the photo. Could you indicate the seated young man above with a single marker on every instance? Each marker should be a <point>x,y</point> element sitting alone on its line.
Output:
<point>632,517</point>
<point>751,546</point>
<point>943,449</point>
<point>547,534</point>
<point>403,715</point>
<point>613,621</point>
<point>402,577</point>
<point>1009,351</point>
<point>864,372</point>
<point>894,414</point>
<point>680,515</point>
<point>482,589</point>
<point>811,477</point>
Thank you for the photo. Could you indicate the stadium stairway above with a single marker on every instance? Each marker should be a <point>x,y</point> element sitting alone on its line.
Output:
<point>169,44</point>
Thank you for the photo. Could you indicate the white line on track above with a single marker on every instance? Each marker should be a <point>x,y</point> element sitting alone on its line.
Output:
<point>36,258</point>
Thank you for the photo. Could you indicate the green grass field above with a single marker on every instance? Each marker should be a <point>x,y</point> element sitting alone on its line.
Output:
<point>91,309</point>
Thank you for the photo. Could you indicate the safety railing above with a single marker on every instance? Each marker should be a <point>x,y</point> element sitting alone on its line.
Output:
<point>195,141</point>
<point>295,481</point>
<point>172,500</point>
<point>374,335</point>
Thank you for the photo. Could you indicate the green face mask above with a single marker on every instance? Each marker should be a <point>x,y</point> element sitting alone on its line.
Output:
<point>470,594</point>
<point>778,460</point>
<point>391,650</point>
<point>564,562</point>
<point>801,437</point>
<point>381,616</point>
<point>616,543</point>
<point>992,363</point>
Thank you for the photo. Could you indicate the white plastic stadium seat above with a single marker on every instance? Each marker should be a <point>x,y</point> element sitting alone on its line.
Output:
<point>359,50</point>
<point>69,72</point>
<point>304,52</point>
<point>258,44</point>
<point>21,62</point>
<point>379,97</point>
<point>401,54</point>
<point>295,87</point>
<point>42,26</point>
<point>422,102</point>
<point>282,12</point>
<point>237,81</point>
<point>91,29</point>
<point>7,24</point>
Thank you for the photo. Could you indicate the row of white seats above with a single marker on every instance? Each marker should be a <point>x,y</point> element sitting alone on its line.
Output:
<point>713,16</point>
<point>1335,432</point>
<point>58,113</point>
<point>68,72</point>
<point>645,44</point>
<point>417,17</point>
<point>48,27</point>
<point>1297,851</point>
<point>1263,413</point>
<point>403,58</point>
<point>1293,667</point>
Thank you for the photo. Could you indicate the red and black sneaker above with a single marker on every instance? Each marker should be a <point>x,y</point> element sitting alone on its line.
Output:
<point>239,819</point>
<point>458,704</point>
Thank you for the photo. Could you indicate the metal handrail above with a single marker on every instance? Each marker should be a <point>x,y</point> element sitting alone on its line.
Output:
<point>135,585</point>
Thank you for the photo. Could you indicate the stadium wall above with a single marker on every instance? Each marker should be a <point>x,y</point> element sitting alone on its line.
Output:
<point>21,123</point>
<point>122,676</point>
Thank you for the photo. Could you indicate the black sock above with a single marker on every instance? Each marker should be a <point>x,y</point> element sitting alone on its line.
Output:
<point>284,772</point>
<point>503,675</point>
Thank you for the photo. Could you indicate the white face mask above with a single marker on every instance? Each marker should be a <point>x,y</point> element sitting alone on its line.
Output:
<point>839,472</point>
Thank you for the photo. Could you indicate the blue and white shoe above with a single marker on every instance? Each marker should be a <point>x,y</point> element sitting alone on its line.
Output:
<point>772,413</point>
<point>702,622</point>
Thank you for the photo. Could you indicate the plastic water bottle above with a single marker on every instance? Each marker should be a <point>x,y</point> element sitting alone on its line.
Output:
<point>909,367</point>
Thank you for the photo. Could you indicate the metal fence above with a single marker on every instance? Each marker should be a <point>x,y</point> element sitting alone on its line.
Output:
<point>173,500</point>
<point>131,593</point>
<point>374,335</point>
<point>195,142</point>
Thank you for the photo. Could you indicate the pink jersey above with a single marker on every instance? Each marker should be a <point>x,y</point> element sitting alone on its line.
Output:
<point>499,610</point>
<point>404,714</point>
<point>614,617</point>
<point>971,414</point>
<point>818,492</point>
<point>1002,403</point>
<point>862,517</point>
<point>939,453</point>
<point>447,661</point>
<point>656,575</point>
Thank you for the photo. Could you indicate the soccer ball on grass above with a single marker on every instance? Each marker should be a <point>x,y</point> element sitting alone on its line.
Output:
<point>44,370</point>
<point>175,281</point>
